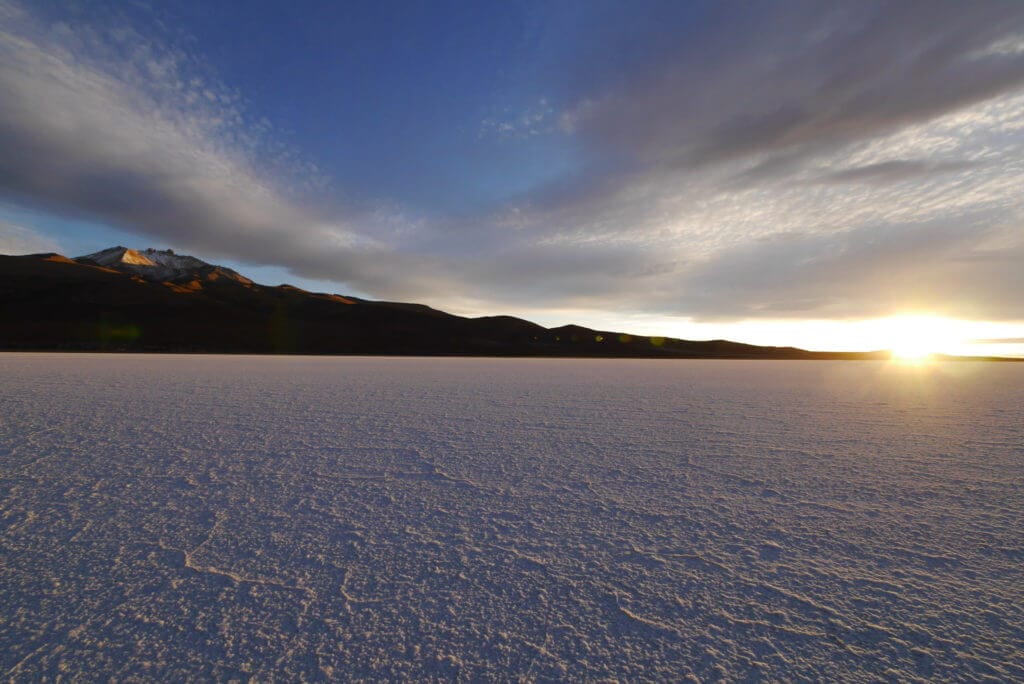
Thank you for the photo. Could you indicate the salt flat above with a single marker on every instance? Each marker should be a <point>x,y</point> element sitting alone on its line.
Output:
<point>166,518</point>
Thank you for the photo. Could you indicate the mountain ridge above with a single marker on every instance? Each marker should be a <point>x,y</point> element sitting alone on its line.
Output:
<point>120,299</point>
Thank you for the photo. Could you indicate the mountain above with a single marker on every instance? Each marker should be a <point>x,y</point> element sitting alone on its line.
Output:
<point>121,299</point>
<point>162,266</point>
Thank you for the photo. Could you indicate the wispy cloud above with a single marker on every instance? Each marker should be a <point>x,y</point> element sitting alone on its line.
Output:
<point>16,239</point>
<point>803,76</point>
<point>895,170</point>
<point>788,160</point>
<point>810,160</point>
<point>128,135</point>
<point>535,120</point>
<point>846,275</point>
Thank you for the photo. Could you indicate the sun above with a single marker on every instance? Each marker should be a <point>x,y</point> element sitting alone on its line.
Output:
<point>912,350</point>
<point>916,338</point>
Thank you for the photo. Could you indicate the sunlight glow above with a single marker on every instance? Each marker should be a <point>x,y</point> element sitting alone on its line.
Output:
<point>904,331</point>
<point>911,352</point>
<point>916,338</point>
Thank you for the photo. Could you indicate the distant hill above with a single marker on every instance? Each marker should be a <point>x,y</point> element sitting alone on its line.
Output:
<point>121,299</point>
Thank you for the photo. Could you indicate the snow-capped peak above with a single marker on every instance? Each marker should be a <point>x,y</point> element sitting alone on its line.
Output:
<point>168,258</point>
<point>161,265</point>
<point>118,255</point>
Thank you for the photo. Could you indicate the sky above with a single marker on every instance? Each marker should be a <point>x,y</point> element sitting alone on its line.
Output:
<point>822,174</point>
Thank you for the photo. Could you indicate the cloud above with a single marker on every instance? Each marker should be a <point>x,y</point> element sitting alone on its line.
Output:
<point>143,144</point>
<point>797,160</point>
<point>895,170</point>
<point>808,160</point>
<point>16,239</point>
<point>533,121</point>
<point>804,77</point>
<point>940,266</point>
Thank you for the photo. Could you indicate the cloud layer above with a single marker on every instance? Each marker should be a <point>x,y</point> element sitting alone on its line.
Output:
<point>816,160</point>
<point>15,239</point>
<point>128,137</point>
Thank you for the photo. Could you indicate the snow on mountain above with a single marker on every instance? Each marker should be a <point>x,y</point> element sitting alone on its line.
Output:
<point>117,255</point>
<point>161,265</point>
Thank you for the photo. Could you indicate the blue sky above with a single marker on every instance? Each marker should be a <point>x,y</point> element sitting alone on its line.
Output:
<point>749,170</point>
<point>389,98</point>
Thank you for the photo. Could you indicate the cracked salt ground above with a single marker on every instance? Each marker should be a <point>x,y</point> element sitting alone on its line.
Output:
<point>164,518</point>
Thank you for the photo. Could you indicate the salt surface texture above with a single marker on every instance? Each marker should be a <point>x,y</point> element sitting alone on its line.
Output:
<point>300,518</point>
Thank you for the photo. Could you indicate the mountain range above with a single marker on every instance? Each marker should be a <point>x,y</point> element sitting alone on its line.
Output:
<point>122,299</point>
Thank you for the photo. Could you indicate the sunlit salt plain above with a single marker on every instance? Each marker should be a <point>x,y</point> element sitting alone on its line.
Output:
<point>165,518</point>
